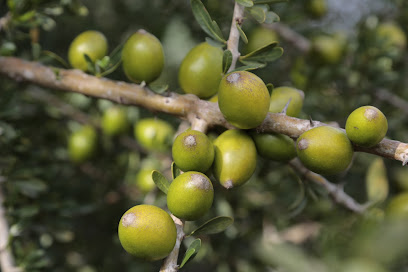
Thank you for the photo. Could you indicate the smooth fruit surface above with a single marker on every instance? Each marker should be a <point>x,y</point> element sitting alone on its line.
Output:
<point>398,206</point>
<point>280,97</point>
<point>154,134</point>
<point>260,37</point>
<point>243,99</point>
<point>201,70</point>
<point>274,146</point>
<point>391,35</point>
<point>235,158</point>
<point>142,57</point>
<point>93,43</point>
<point>147,232</point>
<point>82,144</point>
<point>190,195</point>
<point>115,121</point>
<point>325,150</point>
<point>316,8</point>
<point>366,126</point>
<point>193,151</point>
<point>328,49</point>
<point>144,180</point>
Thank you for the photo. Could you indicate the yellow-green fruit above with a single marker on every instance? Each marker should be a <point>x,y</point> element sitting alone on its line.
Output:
<point>93,43</point>
<point>398,207</point>
<point>144,180</point>
<point>361,265</point>
<point>391,35</point>
<point>366,126</point>
<point>214,99</point>
<point>201,70</point>
<point>328,49</point>
<point>154,134</point>
<point>280,97</point>
<point>115,121</point>
<point>325,150</point>
<point>243,99</point>
<point>193,151</point>
<point>260,37</point>
<point>82,144</point>
<point>274,146</point>
<point>190,195</point>
<point>235,158</point>
<point>142,57</point>
<point>147,232</point>
<point>316,8</point>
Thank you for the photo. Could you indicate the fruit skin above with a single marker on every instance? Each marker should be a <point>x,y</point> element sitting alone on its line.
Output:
<point>259,37</point>
<point>274,146</point>
<point>147,232</point>
<point>93,43</point>
<point>391,35</point>
<point>154,134</point>
<point>243,99</point>
<point>280,97</point>
<point>115,121</point>
<point>190,195</point>
<point>398,207</point>
<point>325,150</point>
<point>144,180</point>
<point>328,50</point>
<point>200,72</point>
<point>193,151</point>
<point>316,8</point>
<point>142,57</point>
<point>82,144</point>
<point>235,158</point>
<point>366,126</point>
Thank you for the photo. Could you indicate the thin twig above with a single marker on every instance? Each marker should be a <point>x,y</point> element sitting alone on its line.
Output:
<point>393,99</point>
<point>288,34</point>
<point>233,40</point>
<point>170,263</point>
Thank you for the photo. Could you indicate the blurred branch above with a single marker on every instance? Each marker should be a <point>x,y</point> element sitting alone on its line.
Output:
<point>170,263</point>
<point>288,34</point>
<point>188,107</point>
<point>335,191</point>
<point>393,99</point>
<point>233,40</point>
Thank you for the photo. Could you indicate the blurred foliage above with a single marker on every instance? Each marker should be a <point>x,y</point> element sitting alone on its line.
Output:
<point>64,216</point>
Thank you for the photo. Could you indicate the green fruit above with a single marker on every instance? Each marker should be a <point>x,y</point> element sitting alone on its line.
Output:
<point>260,37</point>
<point>274,146</point>
<point>325,150</point>
<point>391,35</point>
<point>144,180</point>
<point>366,126</point>
<point>328,49</point>
<point>154,134</point>
<point>398,207</point>
<point>142,57</point>
<point>243,99</point>
<point>280,97</point>
<point>201,70</point>
<point>92,43</point>
<point>316,8</point>
<point>214,99</point>
<point>115,121</point>
<point>361,265</point>
<point>82,144</point>
<point>193,151</point>
<point>235,158</point>
<point>147,232</point>
<point>190,196</point>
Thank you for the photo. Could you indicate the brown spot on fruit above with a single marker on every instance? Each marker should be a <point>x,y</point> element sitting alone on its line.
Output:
<point>228,184</point>
<point>190,141</point>
<point>370,114</point>
<point>200,182</point>
<point>303,144</point>
<point>234,77</point>
<point>128,219</point>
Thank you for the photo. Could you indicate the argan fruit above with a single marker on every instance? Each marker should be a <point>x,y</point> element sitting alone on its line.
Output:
<point>274,146</point>
<point>154,134</point>
<point>280,97</point>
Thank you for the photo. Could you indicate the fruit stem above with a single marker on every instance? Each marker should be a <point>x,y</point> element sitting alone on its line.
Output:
<point>233,39</point>
<point>170,263</point>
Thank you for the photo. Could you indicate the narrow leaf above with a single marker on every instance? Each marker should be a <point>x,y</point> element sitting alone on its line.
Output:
<point>226,61</point>
<point>91,65</point>
<point>270,88</point>
<point>258,13</point>
<point>250,65</point>
<point>214,225</point>
<point>204,20</point>
<point>55,57</point>
<point>271,17</point>
<point>213,42</point>
<point>242,33</point>
<point>245,3</point>
<point>175,171</point>
<point>159,88</point>
<point>266,56</point>
<point>377,181</point>
<point>191,252</point>
<point>161,182</point>
<point>260,50</point>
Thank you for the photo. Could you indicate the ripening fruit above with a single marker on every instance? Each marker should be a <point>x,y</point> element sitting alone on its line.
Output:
<point>93,43</point>
<point>82,144</point>
<point>316,8</point>
<point>280,97</point>
<point>193,151</point>
<point>190,195</point>
<point>260,37</point>
<point>328,49</point>
<point>142,57</point>
<point>366,126</point>
<point>398,206</point>
<point>274,146</point>
<point>144,180</point>
<point>325,150</point>
<point>115,121</point>
<point>147,232</point>
<point>391,35</point>
<point>235,158</point>
<point>154,134</point>
<point>201,70</point>
<point>243,99</point>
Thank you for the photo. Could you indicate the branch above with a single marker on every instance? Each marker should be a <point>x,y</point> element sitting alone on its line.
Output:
<point>233,40</point>
<point>170,263</point>
<point>187,107</point>
<point>336,192</point>
<point>393,99</point>
<point>298,41</point>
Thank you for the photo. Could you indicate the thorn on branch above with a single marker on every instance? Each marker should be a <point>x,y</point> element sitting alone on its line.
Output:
<point>285,109</point>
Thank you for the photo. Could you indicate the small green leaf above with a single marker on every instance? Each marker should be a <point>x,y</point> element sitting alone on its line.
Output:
<point>55,57</point>
<point>158,88</point>
<point>213,42</point>
<point>271,17</point>
<point>260,50</point>
<point>214,225</point>
<point>245,3</point>
<point>91,64</point>
<point>250,65</point>
<point>103,63</point>
<point>175,171</point>
<point>161,182</point>
<point>191,252</point>
<point>270,88</point>
<point>259,13</point>
<point>264,55</point>
<point>204,20</point>
<point>242,33</point>
<point>269,1</point>
<point>226,61</point>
